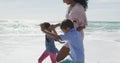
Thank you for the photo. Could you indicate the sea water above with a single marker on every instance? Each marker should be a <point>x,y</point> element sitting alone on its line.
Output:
<point>23,42</point>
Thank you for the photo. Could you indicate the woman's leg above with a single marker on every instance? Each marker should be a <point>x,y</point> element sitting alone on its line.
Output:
<point>52,57</point>
<point>43,56</point>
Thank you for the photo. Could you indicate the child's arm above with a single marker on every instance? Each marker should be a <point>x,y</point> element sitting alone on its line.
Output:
<point>61,41</point>
<point>56,25</point>
<point>53,35</point>
<point>52,27</point>
<point>54,31</point>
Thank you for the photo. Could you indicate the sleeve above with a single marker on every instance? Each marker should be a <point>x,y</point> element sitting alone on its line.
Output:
<point>63,37</point>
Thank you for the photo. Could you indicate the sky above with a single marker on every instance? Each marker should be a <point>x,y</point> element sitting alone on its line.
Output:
<point>55,10</point>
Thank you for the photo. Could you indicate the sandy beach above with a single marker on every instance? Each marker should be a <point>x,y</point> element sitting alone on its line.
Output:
<point>27,48</point>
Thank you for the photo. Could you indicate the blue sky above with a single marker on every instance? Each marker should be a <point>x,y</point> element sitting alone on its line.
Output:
<point>55,10</point>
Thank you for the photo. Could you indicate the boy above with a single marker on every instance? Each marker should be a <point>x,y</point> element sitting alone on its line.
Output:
<point>74,39</point>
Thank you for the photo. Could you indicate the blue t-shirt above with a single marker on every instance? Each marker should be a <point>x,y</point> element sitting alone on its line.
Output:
<point>75,42</point>
<point>50,45</point>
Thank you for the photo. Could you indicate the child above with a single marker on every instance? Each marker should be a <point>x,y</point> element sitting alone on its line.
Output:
<point>74,38</point>
<point>50,46</point>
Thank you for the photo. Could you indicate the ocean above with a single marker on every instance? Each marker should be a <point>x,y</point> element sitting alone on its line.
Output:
<point>23,42</point>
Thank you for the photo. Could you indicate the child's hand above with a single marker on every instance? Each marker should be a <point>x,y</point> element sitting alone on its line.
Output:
<point>52,27</point>
<point>61,41</point>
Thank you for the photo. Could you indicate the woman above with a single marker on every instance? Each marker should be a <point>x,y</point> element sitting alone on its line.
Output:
<point>76,13</point>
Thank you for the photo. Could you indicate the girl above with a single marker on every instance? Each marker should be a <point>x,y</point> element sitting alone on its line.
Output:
<point>51,50</point>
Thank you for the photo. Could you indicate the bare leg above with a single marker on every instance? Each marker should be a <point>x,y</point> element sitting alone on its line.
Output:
<point>64,51</point>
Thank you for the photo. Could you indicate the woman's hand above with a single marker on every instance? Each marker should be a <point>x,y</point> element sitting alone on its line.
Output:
<point>80,28</point>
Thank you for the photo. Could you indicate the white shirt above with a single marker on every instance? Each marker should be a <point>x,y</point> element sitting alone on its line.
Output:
<point>77,15</point>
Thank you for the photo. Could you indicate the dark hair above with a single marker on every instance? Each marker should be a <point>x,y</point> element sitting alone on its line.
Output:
<point>84,3</point>
<point>46,25</point>
<point>67,23</point>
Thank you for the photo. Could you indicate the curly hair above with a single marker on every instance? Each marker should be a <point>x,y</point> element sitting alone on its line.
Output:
<point>84,3</point>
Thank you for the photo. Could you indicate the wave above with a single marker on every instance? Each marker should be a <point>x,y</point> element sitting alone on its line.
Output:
<point>103,26</point>
<point>20,27</point>
<point>16,27</point>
